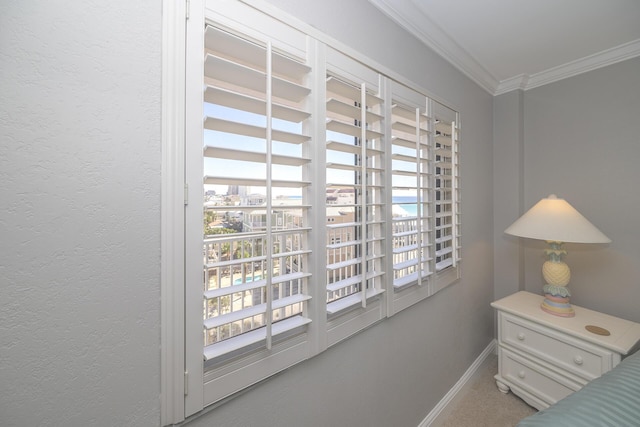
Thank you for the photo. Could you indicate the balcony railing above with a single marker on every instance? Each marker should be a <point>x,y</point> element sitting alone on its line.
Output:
<point>412,253</point>
<point>242,279</point>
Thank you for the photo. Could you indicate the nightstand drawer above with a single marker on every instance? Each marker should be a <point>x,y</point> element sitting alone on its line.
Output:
<point>578,357</point>
<point>533,378</point>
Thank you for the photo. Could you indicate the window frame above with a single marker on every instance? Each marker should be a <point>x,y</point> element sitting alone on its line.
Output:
<point>172,326</point>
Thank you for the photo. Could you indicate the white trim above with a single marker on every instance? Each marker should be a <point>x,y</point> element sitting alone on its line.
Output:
<point>193,212</point>
<point>428,32</point>
<point>172,215</point>
<point>592,62</point>
<point>588,63</point>
<point>512,83</point>
<point>411,16</point>
<point>458,386</point>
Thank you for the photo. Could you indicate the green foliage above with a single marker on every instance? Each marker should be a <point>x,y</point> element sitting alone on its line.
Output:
<point>209,217</point>
<point>216,230</point>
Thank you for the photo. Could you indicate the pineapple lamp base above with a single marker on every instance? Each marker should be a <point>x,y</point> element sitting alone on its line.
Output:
<point>557,275</point>
<point>556,301</point>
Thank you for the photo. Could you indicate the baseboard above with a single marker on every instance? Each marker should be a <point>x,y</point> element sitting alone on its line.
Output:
<point>458,386</point>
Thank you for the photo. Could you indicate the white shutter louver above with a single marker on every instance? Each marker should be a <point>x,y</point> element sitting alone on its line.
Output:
<point>447,202</point>
<point>256,266</point>
<point>354,183</point>
<point>411,186</point>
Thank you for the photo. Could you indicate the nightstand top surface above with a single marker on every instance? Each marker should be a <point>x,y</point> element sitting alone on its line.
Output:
<point>624,333</point>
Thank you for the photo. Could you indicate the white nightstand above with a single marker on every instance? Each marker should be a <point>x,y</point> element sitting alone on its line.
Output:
<point>543,358</point>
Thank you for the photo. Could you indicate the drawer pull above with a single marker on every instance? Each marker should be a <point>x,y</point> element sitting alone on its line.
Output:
<point>521,374</point>
<point>521,336</point>
<point>578,360</point>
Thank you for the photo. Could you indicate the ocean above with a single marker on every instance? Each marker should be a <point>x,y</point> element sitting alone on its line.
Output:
<point>408,203</point>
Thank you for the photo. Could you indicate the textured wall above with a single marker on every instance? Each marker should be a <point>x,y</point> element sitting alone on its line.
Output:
<point>79,215</point>
<point>79,223</point>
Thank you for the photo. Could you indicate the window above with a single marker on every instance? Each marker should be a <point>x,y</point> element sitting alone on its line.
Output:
<point>423,195</point>
<point>447,195</point>
<point>323,197</point>
<point>256,233</point>
<point>412,195</point>
<point>248,236</point>
<point>355,210</point>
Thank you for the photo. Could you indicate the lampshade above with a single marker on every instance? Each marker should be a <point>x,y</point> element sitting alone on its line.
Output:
<point>553,219</point>
<point>556,221</point>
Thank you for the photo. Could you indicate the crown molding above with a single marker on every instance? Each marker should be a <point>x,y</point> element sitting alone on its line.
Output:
<point>416,21</point>
<point>413,18</point>
<point>588,63</point>
<point>519,82</point>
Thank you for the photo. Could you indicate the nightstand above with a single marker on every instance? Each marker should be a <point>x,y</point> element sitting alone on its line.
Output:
<point>543,358</point>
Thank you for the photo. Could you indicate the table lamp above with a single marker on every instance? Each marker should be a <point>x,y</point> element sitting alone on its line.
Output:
<point>556,221</point>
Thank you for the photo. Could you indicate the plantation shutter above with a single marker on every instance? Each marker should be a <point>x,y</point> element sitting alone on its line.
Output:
<point>447,199</point>
<point>411,187</point>
<point>354,191</point>
<point>297,153</point>
<point>424,196</point>
<point>255,273</point>
<point>255,278</point>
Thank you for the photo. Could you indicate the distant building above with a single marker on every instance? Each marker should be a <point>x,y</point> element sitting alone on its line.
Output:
<point>238,190</point>
<point>253,199</point>
<point>341,195</point>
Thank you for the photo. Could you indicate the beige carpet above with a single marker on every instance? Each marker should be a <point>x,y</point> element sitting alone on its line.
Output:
<point>482,405</point>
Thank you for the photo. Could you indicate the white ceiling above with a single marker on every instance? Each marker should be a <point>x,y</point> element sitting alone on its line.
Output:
<point>516,44</point>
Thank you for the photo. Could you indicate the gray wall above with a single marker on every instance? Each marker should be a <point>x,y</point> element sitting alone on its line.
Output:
<point>508,185</point>
<point>79,216</point>
<point>582,142</point>
<point>80,253</point>
<point>580,139</point>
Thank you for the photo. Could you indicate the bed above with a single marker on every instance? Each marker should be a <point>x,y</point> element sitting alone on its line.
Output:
<point>610,400</point>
